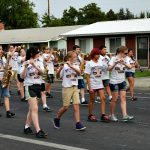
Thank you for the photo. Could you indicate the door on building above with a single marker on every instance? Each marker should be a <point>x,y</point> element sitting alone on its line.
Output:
<point>143,50</point>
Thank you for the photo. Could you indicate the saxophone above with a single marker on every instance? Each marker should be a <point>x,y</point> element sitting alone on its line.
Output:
<point>45,74</point>
<point>7,74</point>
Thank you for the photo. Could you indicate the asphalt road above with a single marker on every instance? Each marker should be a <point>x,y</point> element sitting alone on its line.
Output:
<point>134,135</point>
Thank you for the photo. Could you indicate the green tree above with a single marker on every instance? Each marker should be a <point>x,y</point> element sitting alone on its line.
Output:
<point>17,14</point>
<point>142,15</point>
<point>90,14</point>
<point>110,15</point>
<point>121,15</point>
<point>69,16</point>
<point>50,21</point>
<point>129,15</point>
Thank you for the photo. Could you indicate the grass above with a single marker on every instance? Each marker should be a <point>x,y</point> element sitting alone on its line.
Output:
<point>145,73</point>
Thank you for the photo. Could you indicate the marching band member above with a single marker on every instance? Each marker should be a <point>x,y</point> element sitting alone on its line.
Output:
<point>69,73</point>
<point>117,67</point>
<point>93,72</point>
<point>4,91</point>
<point>81,84</point>
<point>13,55</point>
<point>105,74</point>
<point>31,74</point>
<point>48,59</point>
<point>21,59</point>
<point>130,72</point>
<point>46,108</point>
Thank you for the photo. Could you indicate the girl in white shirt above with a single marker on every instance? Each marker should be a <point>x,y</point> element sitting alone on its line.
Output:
<point>117,66</point>
<point>130,72</point>
<point>21,58</point>
<point>32,75</point>
<point>93,70</point>
<point>69,73</point>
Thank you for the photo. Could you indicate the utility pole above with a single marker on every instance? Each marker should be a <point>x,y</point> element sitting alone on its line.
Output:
<point>49,8</point>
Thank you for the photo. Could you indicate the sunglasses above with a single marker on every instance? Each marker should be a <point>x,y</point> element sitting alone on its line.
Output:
<point>125,53</point>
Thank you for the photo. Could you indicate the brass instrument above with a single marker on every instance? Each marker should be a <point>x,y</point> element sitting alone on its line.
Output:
<point>7,74</point>
<point>45,74</point>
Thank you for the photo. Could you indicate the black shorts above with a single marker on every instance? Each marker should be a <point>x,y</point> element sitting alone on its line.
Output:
<point>42,87</point>
<point>19,78</point>
<point>118,87</point>
<point>33,91</point>
<point>50,78</point>
<point>105,82</point>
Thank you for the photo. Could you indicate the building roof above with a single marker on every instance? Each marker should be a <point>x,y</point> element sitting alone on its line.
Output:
<point>34,35</point>
<point>112,27</point>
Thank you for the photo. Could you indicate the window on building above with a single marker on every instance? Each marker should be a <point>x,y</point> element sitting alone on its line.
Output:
<point>86,44</point>
<point>142,50</point>
<point>114,44</point>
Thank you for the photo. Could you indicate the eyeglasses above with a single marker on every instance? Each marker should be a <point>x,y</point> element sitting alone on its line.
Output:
<point>125,53</point>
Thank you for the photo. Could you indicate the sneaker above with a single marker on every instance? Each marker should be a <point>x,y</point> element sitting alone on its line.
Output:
<point>84,103</point>
<point>10,114</point>
<point>28,131</point>
<point>113,118</point>
<point>48,95</point>
<point>41,134</point>
<point>134,98</point>
<point>80,127</point>
<point>105,118</point>
<point>47,109</point>
<point>56,123</point>
<point>127,118</point>
<point>98,100</point>
<point>92,118</point>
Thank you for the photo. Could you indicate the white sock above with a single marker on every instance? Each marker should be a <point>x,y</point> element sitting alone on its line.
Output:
<point>27,126</point>
<point>44,105</point>
<point>82,99</point>
<point>110,97</point>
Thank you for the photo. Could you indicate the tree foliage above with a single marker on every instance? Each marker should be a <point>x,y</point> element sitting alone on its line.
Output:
<point>17,14</point>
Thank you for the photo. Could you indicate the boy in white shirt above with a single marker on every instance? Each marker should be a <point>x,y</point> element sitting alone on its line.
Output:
<point>105,74</point>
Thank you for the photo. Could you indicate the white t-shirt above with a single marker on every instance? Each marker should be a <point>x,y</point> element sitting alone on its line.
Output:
<point>105,59</point>
<point>32,76</point>
<point>13,61</point>
<point>118,72</point>
<point>132,62</point>
<point>95,71</point>
<point>78,62</point>
<point>69,76</point>
<point>20,61</point>
<point>2,65</point>
<point>50,63</point>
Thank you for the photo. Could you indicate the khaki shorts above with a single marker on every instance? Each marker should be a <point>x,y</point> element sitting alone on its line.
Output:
<point>70,93</point>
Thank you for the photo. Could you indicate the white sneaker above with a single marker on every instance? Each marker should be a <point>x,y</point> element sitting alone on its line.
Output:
<point>113,118</point>
<point>127,118</point>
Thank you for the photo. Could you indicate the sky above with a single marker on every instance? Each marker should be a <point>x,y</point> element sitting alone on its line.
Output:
<point>58,6</point>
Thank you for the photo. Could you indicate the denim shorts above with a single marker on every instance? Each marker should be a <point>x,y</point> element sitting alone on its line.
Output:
<point>4,92</point>
<point>129,74</point>
<point>81,84</point>
<point>118,87</point>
